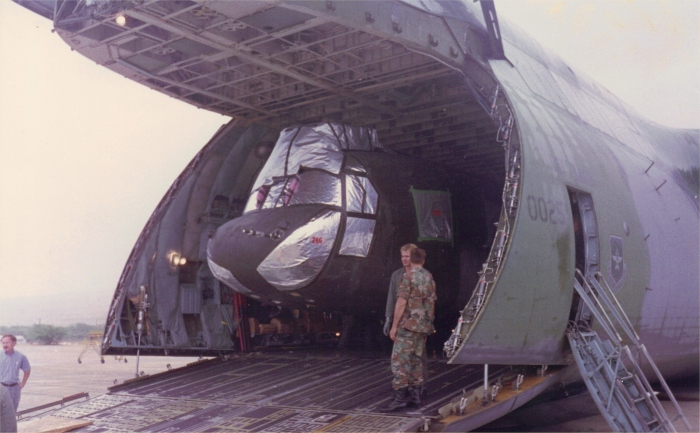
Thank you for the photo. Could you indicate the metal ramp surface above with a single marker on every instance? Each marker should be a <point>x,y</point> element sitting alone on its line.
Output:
<point>613,376</point>
<point>271,392</point>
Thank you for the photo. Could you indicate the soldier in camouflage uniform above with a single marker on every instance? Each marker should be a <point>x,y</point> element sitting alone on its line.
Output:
<point>413,320</point>
<point>394,284</point>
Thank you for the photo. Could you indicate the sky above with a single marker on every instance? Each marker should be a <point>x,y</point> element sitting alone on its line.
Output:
<point>86,155</point>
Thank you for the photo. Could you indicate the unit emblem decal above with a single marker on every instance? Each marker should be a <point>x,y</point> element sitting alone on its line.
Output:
<point>618,267</point>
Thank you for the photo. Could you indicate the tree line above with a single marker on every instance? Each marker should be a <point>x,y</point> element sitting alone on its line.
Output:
<point>50,334</point>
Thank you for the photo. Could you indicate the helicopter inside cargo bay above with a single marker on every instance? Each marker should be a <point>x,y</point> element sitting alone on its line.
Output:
<point>327,193</point>
<point>422,126</point>
<point>316,233</point>
<point>325,219</point>
<point>309,219</point>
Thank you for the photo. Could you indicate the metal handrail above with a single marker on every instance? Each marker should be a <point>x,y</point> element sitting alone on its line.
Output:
<point>599,297</point>
<point>605,289</point>
<point>594,304</point>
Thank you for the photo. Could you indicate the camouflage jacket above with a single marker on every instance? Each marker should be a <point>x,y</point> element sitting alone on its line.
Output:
<point>418,289</point>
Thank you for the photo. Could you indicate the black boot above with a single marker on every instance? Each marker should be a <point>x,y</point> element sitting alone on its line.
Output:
<point>399,401</point>
<point>414,394</point>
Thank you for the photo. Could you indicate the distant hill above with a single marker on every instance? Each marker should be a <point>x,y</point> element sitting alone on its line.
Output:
<point>60,309</point>
<point>50,334</point>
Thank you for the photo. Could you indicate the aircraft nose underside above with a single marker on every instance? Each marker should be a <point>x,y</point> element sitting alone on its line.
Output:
<point>284,248</point>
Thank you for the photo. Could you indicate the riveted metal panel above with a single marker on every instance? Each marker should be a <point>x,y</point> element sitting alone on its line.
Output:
<point>536,284</point>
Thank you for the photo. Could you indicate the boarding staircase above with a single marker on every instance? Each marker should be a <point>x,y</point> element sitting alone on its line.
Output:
<point>611,367</point>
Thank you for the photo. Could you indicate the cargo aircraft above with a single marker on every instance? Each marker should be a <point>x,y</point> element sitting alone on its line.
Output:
<point>360,126</point>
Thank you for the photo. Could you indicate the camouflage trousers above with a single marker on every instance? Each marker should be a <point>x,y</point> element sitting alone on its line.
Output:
<point>407,358</point>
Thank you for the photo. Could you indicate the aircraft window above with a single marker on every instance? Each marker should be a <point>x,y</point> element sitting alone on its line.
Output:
<point>360,195</point>
<point>322,146</point>
<point>299,147</point>
<point>358,237</point>
<point>313,149</point>
<point>353,165</point>
<point>317,187</point>
<point>276,195</point>
<point>301,256</point>
<point>309,187</point>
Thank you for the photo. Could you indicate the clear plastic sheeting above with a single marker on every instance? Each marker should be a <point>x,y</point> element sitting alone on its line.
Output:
<point>317,146</point>
<point>358,237</point>
<point>352,164</point>
<point>315,186</point>
<point>298,260</point>
<point>360,195</point>
<point>278,194</point>
<point>223,274</point>
<point>354,137</point>
<point>434,214</point>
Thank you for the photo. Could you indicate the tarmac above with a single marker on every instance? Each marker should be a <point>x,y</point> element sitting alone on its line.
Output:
<point>56,373</point>
<point>597,423</point>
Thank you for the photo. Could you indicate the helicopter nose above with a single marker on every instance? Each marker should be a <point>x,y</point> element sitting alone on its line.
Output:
<point>272,250</point>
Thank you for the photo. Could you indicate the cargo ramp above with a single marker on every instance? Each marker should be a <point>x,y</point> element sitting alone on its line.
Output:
<point>326,392</point>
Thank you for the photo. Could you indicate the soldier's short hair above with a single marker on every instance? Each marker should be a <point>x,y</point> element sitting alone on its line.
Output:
<point>409,247</point>
<point>12,337</point>
<point>417,256</point>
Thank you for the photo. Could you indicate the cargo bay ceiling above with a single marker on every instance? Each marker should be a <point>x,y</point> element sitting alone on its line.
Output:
<point>378,64</point>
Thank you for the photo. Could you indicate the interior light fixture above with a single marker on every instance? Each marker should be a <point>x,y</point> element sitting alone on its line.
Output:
<point>175,259</point>
<point>120,20</point>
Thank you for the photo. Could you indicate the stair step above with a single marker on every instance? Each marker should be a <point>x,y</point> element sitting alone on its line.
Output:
<point>632,388</point>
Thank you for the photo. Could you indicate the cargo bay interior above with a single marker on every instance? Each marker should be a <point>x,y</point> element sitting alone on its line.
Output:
<point>280,65</point>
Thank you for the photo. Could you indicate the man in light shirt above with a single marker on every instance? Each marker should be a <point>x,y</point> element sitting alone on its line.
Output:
<point>11,362</point>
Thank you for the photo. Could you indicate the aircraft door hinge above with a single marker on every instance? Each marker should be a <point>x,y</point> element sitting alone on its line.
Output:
<point>494,31</point>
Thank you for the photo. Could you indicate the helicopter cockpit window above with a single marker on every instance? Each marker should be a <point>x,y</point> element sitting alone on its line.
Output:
<point>308,187</point>
<point>360,195</point>
<point>317,187</point>
<point>296,261</point>
<point>358,237</point>
<point>278,194</point>
<point>290,170</point>
<point>354,166</point>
